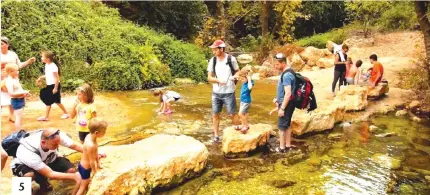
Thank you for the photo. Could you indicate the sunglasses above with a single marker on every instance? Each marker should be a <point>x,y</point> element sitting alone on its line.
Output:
<point>52,136</point>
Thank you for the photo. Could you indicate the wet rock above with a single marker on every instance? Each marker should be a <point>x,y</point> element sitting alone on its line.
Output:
<point>416,119</point>
<point>235,142</point>
<point>427,178</point>
<point>323,118</point>
<point>352,97</point>
<point>326,62</point>
<point>335,136</point>
<point>406,189</point>
<point>414,104</point>
<point>401,113</point>
<point>244,59</point>
<point>378,91</point>
<point>421,141</point>
<point>373,128</point>
<point>386,161</point>
<point>408,175</point>
<point>336,153</point>
<point>182,81</point>
<point>314,161</point>
<point>193,128</point>
<point>389,134</point>
<point>282,183</point>
<point>420,162</point>
<point>158,161</point>
<point>293,157</point>
<point>169,128</point>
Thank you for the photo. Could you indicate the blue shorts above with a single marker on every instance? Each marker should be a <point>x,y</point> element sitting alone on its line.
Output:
<point>17,103</point>
<point>218,99</point>
<point>284,122</point>
<point>85,173</point>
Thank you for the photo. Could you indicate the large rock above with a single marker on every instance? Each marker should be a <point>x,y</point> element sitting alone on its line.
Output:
<point>352,97</point>
<point>296,62</point>
<point>386,161</point>
<point>158,161</point>
<point>311,55</point>
<point>326,62</point>
<point>180,81</point>
<point>236,143</point>
<point>324,117</point>
<point>244,59</point>
<point>378,91</point>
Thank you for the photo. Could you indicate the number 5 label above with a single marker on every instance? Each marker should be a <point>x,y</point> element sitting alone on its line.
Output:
<point>21,185</point>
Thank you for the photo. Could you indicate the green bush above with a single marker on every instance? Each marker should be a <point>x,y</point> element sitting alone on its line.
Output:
<point>94,44</point>
<point>250,43</point>
<point>320,40</point>
<point>401,16</point>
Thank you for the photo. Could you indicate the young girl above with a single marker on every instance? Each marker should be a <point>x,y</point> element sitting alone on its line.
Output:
<point>245,99</point>
<point>84,110</point>
<point>165,98</point>
<point>16,93</point>
<point>52,92</point>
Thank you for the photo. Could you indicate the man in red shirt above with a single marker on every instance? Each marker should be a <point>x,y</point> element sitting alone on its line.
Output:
<point>377,71</point>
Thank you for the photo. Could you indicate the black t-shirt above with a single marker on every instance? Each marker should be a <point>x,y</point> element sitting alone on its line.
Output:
<point>340,67</point>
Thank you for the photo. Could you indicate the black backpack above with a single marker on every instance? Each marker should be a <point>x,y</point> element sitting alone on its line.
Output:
<point>303,95</point>
<point>11,142</point>
<point>228,63</point>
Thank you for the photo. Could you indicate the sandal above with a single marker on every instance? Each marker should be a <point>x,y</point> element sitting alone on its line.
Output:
<point>244,129</point>
<point>280,150</point>
<point>291,147</point>
<point>42,118</point>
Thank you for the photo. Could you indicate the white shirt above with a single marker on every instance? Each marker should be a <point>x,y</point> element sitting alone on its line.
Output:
<point>223,73</point>
<point>25,154</point>
<point>9,57</point>
<point>49,73</point>
<point>170,94</point>
<point>13,85</point>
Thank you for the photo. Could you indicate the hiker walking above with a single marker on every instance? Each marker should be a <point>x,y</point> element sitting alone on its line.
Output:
<point>222,69</point>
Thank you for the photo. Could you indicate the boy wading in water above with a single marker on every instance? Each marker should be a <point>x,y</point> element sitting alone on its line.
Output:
<point>90,161</point>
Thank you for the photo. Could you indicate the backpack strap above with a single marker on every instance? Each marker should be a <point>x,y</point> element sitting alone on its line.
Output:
<point>231,65</point>
<point>24,142</point>
<point>290,70</point>
<point>214,64</point>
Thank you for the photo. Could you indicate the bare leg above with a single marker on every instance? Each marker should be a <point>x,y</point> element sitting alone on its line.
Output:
<point>62,108</point>
<point>3,158</point>
<point>11,112</point>
<point>235,119</point>
<point>18,119</point>
<point>83,186</point>
<point>282,139</point>
<point>245,120</point>
<point>288,138</point>
<point>48,109</point>
<point>77,186</point>
<point>215,127</point>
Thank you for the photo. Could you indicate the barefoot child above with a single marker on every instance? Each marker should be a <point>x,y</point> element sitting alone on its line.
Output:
<point>165,98</point>
<point>245,99</point>
<point>16,93</point>
<point>84,110</point>
<point>90,161</point>
<point>52,92</point>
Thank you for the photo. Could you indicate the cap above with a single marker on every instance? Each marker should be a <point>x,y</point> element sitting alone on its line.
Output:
<point>217,43</point>
<point>5,40</point>
<point>280,56</point>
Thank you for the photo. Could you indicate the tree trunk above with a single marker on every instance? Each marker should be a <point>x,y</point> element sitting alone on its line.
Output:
<point>264,19</point>
<point>221,19</point>
<point>421,11</point>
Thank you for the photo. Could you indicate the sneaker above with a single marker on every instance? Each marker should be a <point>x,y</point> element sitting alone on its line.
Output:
<point>280,150</point>
<point>215,139</point>
<point>65,116</point>
<point>42,118</point>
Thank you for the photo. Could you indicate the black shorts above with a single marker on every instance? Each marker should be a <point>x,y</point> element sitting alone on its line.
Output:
<point>60,164</point>
<point>285,121</point>
<point>48,98</point>
<point>82,135</point>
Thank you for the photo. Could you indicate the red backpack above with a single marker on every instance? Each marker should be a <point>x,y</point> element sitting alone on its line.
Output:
<point>303,95</point>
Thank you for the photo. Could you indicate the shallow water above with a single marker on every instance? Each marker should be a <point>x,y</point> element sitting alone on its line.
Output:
<point>345,160</point>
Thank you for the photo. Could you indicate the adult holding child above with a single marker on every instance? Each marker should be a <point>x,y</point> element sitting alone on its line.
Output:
<point>9,57</point>
<point>222,69</point>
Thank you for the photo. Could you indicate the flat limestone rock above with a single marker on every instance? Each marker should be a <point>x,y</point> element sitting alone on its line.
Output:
<point>379,90</point>
<point>235,142</point>
<point>352,97</point>
<point>158,161</point>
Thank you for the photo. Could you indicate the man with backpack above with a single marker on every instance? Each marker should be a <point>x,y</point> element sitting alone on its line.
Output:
<point>36,156</point>
<point>285,89</point>
<point>222,69</point>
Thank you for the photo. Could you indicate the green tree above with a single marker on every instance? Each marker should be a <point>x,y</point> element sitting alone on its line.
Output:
<point>287,13</point>
<point>366,12</point>
<point>422,11</point>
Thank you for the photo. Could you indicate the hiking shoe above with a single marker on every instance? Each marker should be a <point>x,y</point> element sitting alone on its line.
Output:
<point>215,139</point>
<point>280,150</point>
<point>65,116</point>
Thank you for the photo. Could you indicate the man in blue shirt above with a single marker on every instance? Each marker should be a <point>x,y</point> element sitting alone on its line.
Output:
<point>286,107</point>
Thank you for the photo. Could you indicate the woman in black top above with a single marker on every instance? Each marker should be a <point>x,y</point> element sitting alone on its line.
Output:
<point>339,68</point>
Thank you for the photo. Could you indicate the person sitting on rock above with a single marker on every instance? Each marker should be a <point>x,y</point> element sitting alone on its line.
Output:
<point>377,71</point>
<point>354,73</point>
<point>37,157</point>
<point>245,99</point>
<point>90,161</point>
<point>165,98</point>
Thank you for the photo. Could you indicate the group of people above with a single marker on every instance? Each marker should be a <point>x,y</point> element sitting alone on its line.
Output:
<point>37,154</point>
<point>346,73</point>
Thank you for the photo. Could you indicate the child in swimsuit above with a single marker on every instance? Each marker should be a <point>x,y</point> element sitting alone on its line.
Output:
<point>90,161</point>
